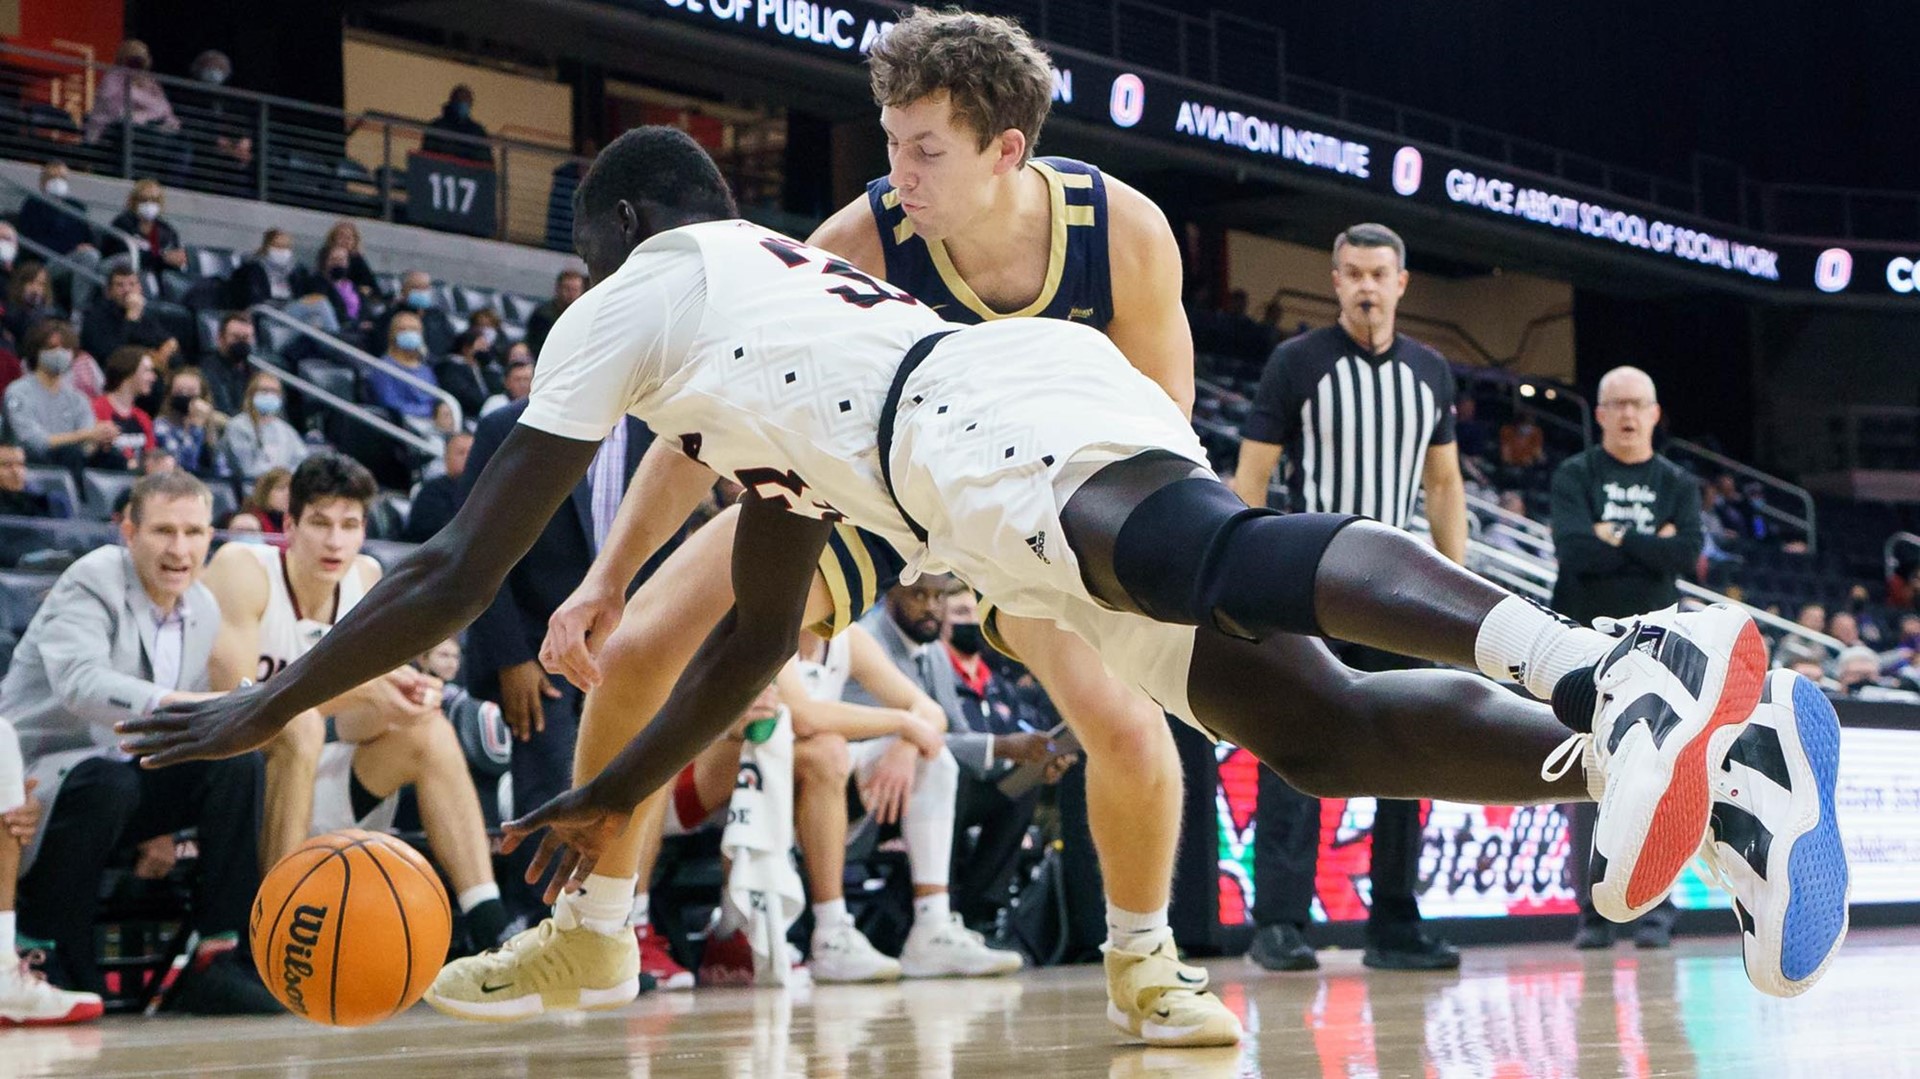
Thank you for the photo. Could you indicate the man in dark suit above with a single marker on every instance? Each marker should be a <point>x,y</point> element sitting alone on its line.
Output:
<point>503,646</point>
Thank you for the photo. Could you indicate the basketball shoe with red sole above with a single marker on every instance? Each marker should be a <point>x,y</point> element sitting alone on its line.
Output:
<point>1673,696</point>
<point>659,963</point>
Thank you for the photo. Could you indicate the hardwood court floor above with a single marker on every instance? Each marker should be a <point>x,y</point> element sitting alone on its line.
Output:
<point>1510,1013</point>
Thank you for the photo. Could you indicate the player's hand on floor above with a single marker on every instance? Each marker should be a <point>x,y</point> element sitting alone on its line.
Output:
<point>200,728</point>
<point>578,630</point>
<point>578,828</point>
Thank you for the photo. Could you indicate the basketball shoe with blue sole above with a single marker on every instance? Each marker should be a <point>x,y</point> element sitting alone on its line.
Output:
<point>1673,695</point>
<point>1774,840</point>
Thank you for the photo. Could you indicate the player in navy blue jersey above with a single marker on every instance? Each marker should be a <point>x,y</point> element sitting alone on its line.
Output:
<point>975,226</point>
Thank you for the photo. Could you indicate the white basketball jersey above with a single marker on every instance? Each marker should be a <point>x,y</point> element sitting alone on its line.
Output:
<point>765,359</point>
<point>826,678</point>
<point>286,633</point>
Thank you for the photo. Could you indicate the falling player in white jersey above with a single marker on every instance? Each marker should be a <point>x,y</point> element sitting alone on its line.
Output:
<point>1067,488</point>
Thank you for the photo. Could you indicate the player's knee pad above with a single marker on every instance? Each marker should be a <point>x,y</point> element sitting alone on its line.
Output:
<point>1192,553</point>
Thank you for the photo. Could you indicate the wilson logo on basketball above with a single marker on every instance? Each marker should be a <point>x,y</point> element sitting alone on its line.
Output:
<point>303,936</point>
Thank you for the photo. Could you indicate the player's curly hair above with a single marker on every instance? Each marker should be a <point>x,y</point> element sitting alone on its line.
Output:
<point>658,165</point>
<point>992,72</point>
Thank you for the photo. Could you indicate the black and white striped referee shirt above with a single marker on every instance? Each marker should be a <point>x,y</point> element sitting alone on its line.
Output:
<point>1355,428</point>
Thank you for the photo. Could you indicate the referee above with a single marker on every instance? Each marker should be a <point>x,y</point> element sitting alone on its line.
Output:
<point>1365,417</point>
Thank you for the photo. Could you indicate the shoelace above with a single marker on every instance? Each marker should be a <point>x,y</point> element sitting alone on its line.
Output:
<point>1565,756</point>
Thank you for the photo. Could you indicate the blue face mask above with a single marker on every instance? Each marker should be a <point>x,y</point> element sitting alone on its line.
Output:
<point>409,341</point>
<point>462,109</point>
<point>420,299</point>
<point>266,404</point>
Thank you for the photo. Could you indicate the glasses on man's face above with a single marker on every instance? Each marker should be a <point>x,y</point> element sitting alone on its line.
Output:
<point>1628,404</point>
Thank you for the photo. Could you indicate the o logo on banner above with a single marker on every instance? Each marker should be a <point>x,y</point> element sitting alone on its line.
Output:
<point>1834,270</point>
<point>1406,170</point>
<point>1129,100</point>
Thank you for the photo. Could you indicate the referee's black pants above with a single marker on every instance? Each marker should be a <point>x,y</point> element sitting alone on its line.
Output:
<point>1286,844</point>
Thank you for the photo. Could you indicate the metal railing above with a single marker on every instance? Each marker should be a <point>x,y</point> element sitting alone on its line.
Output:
<point>352,409</point>
<point>128,241</point>
<point>333,346</point>
<point>1804,522</point>
<point>259,146</point>
<point>1893,544</point>
<point>1536,577</point>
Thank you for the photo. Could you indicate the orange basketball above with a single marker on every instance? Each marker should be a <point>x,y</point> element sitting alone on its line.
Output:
<point>351,928</point>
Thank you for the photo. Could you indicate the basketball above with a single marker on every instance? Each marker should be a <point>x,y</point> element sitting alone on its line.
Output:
<point>350,929</point>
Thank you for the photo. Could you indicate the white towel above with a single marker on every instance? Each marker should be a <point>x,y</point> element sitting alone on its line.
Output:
<point>763,885</point>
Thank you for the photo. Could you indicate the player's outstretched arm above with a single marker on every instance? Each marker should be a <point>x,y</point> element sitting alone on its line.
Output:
<point>774,555</point>
<point>666,489</point>
<point>430,596</point>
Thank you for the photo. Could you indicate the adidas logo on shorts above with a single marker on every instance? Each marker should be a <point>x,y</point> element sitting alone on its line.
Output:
<point>1037,543</point>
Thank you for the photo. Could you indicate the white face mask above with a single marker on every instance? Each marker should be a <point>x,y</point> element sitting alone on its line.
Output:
<point>147,210</point>
<point>281,257</point>
<point>8,249</point>
<point>58,187</point>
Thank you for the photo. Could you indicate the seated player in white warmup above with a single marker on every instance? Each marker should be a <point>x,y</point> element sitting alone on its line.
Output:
<point>1068,488</point>
<point>390,732</point>
<point>906,774</point>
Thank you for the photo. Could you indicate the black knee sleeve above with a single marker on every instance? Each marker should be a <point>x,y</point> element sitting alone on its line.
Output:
<point>1192,553</point>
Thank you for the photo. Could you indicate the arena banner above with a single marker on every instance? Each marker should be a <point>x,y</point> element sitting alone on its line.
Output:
<point>1491,861</point>
<point>1246,131</point>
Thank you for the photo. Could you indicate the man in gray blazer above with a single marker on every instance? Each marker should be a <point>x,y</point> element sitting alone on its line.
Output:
<point>123,631</point>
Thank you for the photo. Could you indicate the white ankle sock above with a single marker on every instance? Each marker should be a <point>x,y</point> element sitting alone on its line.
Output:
<point>1523,642</point>
<point>7,947</point>
<point>1130,931</point>
<point>642,912</point>
<point>601,904</point>
<point>477,895</point>
<point>830,914</point>
<point>932,909</point>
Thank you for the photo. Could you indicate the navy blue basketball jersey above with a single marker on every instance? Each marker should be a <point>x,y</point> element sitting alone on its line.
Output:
<point>1078,288</point>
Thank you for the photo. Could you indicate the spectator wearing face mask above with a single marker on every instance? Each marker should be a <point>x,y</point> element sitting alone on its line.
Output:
<point>517,385</point>
<point>220,123</point>
<point>184,427</point>
<point>354,309</point>
<point>53,218</point>
<point>456,134</point>
<point>407,350</point>
<point>258,438</point>
<point>463,374</point>
<point>54,421</point>
<point>417,297</point>
<point>345,236</point>
<point>567,287</point>
<point>128,91</point>
<point>160,249</point>
<point>225,368</point>
<point>9,248</point>
<point>273,275</point>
